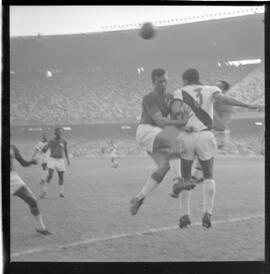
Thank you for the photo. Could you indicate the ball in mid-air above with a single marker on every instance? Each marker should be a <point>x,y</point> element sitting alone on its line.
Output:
<point>147,31</point>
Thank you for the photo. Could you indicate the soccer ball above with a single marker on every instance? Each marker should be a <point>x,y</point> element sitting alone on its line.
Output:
<point>147,31</point>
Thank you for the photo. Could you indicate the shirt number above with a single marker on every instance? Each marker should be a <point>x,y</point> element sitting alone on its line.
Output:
<point>199,95</point>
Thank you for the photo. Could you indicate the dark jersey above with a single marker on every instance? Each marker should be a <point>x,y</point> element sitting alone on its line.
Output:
<point>154,103</point>
<point>57,148</point>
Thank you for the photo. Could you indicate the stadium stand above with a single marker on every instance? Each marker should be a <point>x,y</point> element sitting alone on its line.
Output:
<point>101,78</point>
<point>83,96</point>
<point>250,88</point>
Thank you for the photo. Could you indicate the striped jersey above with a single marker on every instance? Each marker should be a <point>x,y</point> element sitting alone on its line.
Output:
<point>42,156</point>
<point>200,100</point>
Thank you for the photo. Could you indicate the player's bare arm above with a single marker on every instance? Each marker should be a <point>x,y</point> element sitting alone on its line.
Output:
<point>21,160</point>
<point>66,152</point>
<point>233,102</point>
<point>163,122</point>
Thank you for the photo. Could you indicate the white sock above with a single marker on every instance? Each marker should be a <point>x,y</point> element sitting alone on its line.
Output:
<point>209,189</point>
<point>62,189</point>
<point>175,166</point>
<point>39,222</point>
<point>185,202</point>
<point>149,186</point>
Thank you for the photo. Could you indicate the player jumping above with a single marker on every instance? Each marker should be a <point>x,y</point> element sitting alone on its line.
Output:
<point>201,143</point>
<point>222,118</point>
<point>42,157</point>
<point>20,189</point>
<point>150,135</point>
<point>58,148</point>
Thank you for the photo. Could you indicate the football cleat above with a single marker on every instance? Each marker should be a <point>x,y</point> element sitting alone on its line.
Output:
<point>61,195</point>
<point>184,221</point>
<point>206,220</point>
<point>135,205</point>
<point>181,185</point>
<point>45,231</point>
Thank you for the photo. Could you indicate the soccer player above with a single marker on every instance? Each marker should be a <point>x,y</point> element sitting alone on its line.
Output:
<point>156,107</point>
<point>20,189</point>
<point>58,149</point>
<point>42,156</point>
<point>201,142</point>
<point>222,118</point>
<point>113,154</point>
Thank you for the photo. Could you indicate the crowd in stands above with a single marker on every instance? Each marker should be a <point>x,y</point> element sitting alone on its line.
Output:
<point>238,145</point>
<point>110,95</point>
<point>251,87</point>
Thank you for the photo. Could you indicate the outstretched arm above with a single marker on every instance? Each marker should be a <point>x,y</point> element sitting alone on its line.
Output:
<point>233,102</point>
<point>66,152</point>
<point>21,160</point>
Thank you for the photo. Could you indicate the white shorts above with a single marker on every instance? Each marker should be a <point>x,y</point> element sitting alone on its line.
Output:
<point>201,144</point>
<point>57,164</point>
<point>222,137</point>
<point>145,136</point>
<point>16,182</point>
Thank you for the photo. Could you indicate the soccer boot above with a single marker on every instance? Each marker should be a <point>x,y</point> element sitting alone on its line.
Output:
<point>61,195</point>
<point>206,220</point>
<point>135,205</point>
<point>45,231</point>
<point>184,221</point>
<point>179,186</point>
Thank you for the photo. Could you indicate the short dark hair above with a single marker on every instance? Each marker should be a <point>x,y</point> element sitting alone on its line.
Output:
<point>226,85</point>
<point>158,72</point>
<point>191,76</point>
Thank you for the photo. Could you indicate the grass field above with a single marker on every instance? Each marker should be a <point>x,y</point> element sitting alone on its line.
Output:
<point>93,222</point>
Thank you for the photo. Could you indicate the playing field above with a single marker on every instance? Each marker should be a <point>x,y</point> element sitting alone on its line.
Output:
<point>93,222</point>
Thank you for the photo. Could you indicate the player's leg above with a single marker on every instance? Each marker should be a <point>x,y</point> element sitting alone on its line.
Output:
<point>187,155</point>
<point>47,182</point>
<point>162,161</point>
<point>209,190</point>
<point>28,197</point>
<point>44,173</point>
<point>168,139</point>
<point>61,183</point>
<point>206,150</point>
<point>60,167</point>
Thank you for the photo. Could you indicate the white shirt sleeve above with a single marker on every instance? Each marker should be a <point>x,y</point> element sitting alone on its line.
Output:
<point>178,94</point>
<point>215,90</point>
